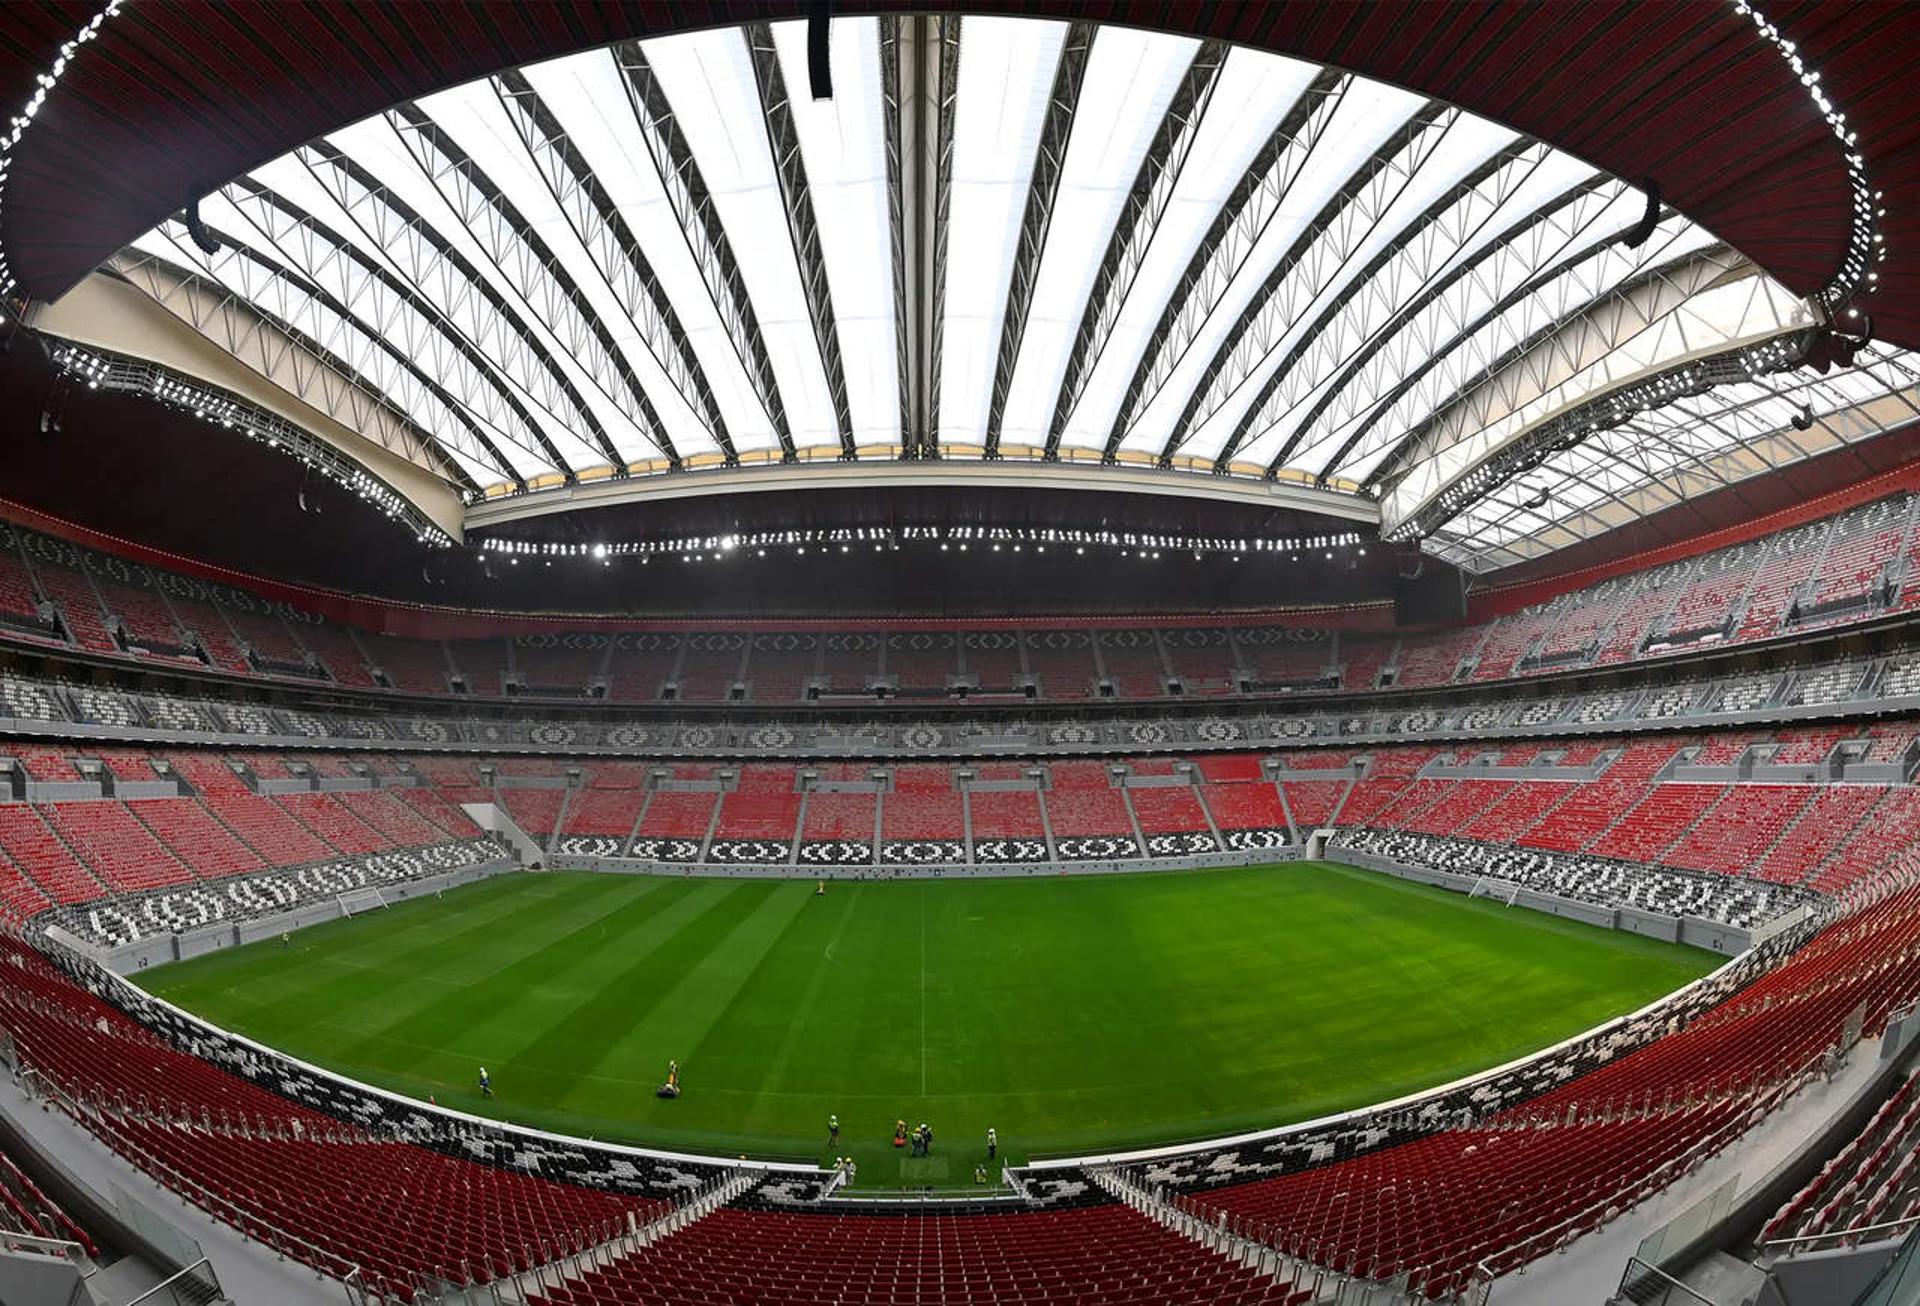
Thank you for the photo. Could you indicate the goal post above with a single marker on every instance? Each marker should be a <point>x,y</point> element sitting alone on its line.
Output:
<point>360,900</point>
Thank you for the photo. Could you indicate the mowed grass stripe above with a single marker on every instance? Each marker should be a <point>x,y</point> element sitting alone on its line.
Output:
<point>1070,1013</point>
<point>508,1022</point>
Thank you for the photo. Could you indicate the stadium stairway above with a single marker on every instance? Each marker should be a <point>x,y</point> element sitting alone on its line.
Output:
<point>495,820</point>
<point>561,1277</point>
<point>1308,1282</point>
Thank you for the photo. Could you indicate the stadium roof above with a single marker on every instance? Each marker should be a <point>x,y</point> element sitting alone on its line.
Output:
<point>1010,241</point>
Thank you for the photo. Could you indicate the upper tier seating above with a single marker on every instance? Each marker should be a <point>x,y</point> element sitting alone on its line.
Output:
<point>1842,568</point>
<point>781,666</point>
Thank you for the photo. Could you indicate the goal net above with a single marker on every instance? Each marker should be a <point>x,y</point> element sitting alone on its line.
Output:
<point>361,900</point>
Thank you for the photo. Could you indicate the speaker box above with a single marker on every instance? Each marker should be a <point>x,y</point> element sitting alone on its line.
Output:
<point>1437,594</point>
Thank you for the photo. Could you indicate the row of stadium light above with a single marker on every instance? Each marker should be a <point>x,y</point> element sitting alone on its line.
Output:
<point>17,125</point>
<point>210,405</point>
<point>1608,411</point>
<point>1866,245</point>
<point>886,539</point>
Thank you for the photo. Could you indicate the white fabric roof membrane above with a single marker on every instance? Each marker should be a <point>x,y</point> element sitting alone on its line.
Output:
<point>1296,279</point>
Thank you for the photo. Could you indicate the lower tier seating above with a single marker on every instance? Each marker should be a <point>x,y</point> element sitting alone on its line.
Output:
<point>1873,1181</point>
<point>401,1215</point>
<point>1519,1182</point>
<point>1101,1254</point>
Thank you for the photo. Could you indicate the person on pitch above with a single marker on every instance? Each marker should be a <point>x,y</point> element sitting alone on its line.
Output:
<point>833,1130</point>
<point>899,1133</point>
<point>993,1143</point>
<point>486,1083</point>
<point>673,1074</point>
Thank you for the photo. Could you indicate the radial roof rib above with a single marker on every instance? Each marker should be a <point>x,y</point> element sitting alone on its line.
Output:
<point>469,302</point>
<point>1254,202</point>
<point>389,308</point>
<point>1502,315</point>
<point>894,109</point>
<point>308,313</point>
<point>602,231</point>
<point>1446,225</point>
<point>701,228</point>
<point>545,287</point>
<point>1317,255</point>
<point>1139,222</point>
<point>240,320</point>
<point>803,229</point>
<point>1661,457</point>
<point>1258,199</point>
<point>937,92</point>
<point>1680,316</point>
<point>1415,332</point>
<point>1133,233</point>
<point>1044,186</point>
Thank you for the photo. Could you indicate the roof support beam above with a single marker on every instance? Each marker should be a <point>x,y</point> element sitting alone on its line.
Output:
<point>896,112</point>
<point>933,59</point>
<point>701,228</point>
<point>1317,256</point>
<point>603,232</point>
<point>1133,233</point>
<point>1599,189</point>
<point>286,356</point>
<point>424,258</point>
<point>783,138</point>
<point>1636,303</point>
<point>1056,135</point>
<point>1257,200</point>
<point>389,308</point>
<point>1454,221</point>
<point>545,287</point>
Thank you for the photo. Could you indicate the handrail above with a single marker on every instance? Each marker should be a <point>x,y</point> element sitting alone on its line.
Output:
<point>1670,1284</point>
<point>33,1242</point>
<point>169,1175</point>
<point>178,1274</point>
<point>1854,1232</point>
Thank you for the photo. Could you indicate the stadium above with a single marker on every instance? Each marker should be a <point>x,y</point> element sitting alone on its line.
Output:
<point>891,654</point>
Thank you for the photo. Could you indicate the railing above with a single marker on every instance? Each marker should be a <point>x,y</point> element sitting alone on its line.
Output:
<point>607,1245</point>
<point>92,1116</point>
<point>59,1248</point>
<point>1851,1236</point>
<point>200,1273</point>
<point>1652,1286</point>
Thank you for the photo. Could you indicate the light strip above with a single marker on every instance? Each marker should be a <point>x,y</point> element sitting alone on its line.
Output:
<point>17,125</point>
<point>216,407</point>
<point>1866,245</point>
<point>882,539</point>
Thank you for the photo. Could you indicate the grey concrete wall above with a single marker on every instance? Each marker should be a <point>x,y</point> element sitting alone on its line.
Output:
<point>1727,940</point>
<point>944,871</point>
<point>161,949</point>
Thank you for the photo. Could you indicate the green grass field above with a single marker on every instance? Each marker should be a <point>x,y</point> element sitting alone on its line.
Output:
<point>1071,1013</point>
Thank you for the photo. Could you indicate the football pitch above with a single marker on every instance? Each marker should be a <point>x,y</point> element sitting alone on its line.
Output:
<point>1069,1013</point>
